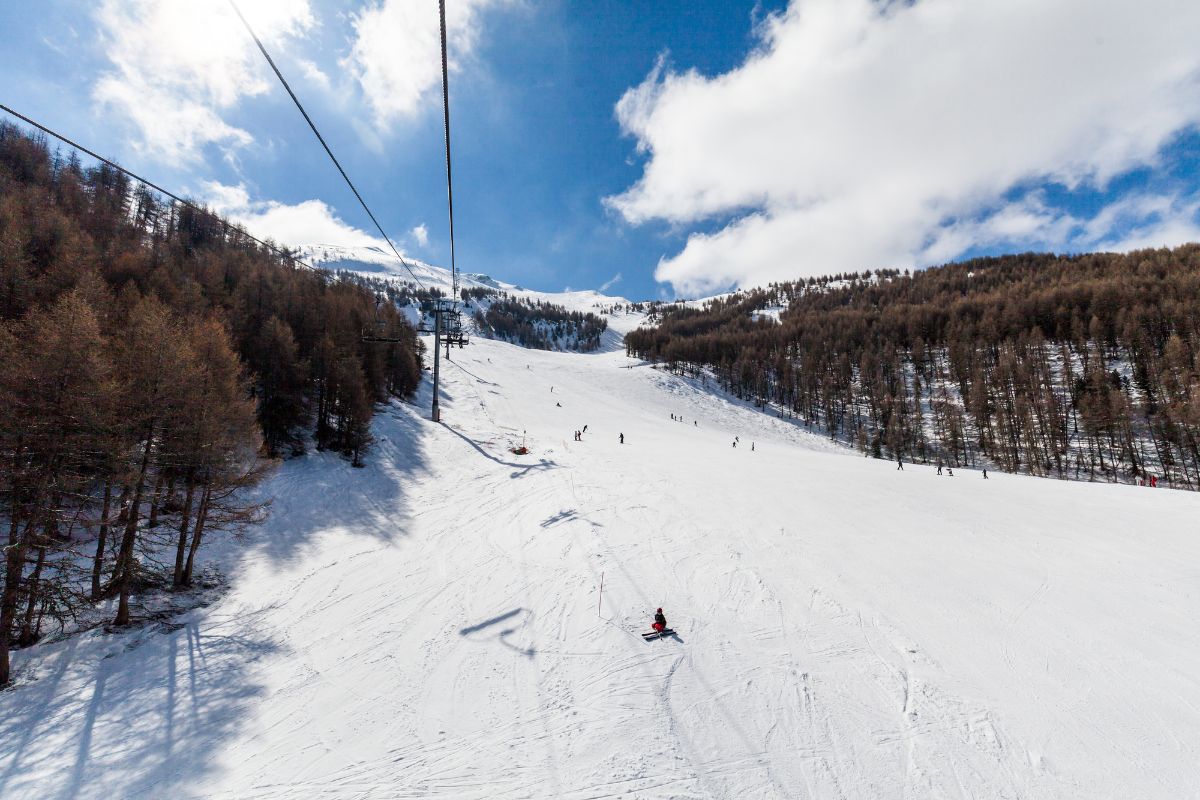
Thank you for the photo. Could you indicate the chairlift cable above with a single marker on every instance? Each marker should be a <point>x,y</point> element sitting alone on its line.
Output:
<point>71,143</point>
<point>321,139</point>
<point>449,181</point>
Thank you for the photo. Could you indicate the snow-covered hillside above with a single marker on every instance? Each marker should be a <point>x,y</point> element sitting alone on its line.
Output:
<point>377,263</point>
<point>432,625</point>
<point>371,262</point>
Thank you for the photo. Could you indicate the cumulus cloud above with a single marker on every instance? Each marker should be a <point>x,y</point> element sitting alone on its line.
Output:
<point>862,133</point>
<point>309,222</point>
<point>177,65</point>
<point>420,234</point>
<point>396,56</point>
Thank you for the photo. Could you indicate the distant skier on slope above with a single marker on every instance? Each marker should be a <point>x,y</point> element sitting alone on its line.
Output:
<point>899,463</point>
<point>660,621</point>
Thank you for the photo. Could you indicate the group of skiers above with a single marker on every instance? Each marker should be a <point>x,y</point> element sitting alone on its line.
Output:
<point>949,469</point>
<point>579,434</point>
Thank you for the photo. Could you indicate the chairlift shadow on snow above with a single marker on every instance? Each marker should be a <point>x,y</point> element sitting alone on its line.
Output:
<point>566,515</point>
<point>487,623</point>
<point>502,636</point>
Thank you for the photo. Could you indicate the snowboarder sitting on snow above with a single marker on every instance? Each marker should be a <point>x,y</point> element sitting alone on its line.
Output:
<point>660,622</point>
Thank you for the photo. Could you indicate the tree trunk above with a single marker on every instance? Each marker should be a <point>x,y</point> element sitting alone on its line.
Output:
<point>14,561</point>
<point>155,500</point>
<point>98,561</point>
<point>125,556</point>
<point>181,548</point>
<point>26,637</point>
<point>197,534</point>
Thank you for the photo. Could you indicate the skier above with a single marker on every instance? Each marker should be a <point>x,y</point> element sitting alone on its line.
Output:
<point>899,463</point>
<point>672,417</point>
<point>660,622</point>
<point>558,404</point>
<point>584,429</point>
<point>1153,481</point>
<point>940,468</point>
<point>950,471</point>
<point>622,438</point>
<point>752,447</point>
<point>697,424</point>
<point>985,473</point>
<point>735,442</point>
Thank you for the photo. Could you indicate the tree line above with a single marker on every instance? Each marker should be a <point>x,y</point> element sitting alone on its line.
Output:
<point>535,324</point>
<point>156,360</point>
<point>1078,366</point>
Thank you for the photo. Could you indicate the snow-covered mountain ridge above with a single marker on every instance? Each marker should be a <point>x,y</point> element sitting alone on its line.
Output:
<point>376,264</point>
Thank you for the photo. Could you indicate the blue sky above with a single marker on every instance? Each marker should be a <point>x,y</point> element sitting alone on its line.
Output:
<point>683,146</point>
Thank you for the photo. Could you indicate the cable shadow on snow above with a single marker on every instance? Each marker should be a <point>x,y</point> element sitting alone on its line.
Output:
<point>476,378</point>
<point>520,470</point>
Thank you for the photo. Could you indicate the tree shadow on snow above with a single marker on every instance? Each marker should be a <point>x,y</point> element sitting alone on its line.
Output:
<point>140,713</point>
<point>322,491</point>
<point>148,711</point>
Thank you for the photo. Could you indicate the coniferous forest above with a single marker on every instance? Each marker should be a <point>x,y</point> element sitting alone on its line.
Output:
<point>155,360</point>
<point>1077,367</point>
<point>537,324</point>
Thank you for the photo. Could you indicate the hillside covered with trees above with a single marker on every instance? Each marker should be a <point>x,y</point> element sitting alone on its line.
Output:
<point>155,359</point>
<point>1082,366</point>
<point>536,324</point>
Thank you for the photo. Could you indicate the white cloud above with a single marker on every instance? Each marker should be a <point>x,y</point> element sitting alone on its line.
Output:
<point>396,56</point>
<point>862,134</point>
<point>611,282</point>
<point>421,234</point>
<point>1152,221</point>
<point>309,222</point>
<point>177,65</point>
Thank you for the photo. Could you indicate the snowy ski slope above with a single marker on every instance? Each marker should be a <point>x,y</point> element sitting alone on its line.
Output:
<point>429,626</point>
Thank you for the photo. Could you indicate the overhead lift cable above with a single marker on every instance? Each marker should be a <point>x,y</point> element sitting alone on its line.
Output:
<point>321,139</point>
<point>279,251</point>
<point>449,181</point>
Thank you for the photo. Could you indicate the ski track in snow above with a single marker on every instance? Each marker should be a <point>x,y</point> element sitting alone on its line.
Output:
<point>427,626</point>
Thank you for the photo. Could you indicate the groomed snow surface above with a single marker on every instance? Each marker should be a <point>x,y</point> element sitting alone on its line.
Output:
<point>428,627</point>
